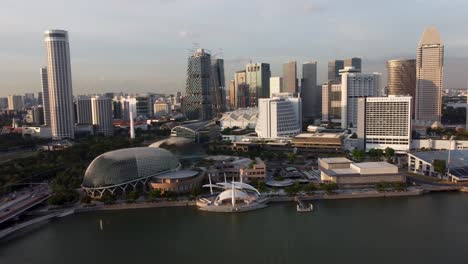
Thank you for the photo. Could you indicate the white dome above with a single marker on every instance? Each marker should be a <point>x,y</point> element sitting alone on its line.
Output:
<point>227,195</point>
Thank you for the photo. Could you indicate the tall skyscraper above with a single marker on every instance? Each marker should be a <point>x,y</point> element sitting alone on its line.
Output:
<point>45,95</point>
<point>232,94</point>
<point>101,107</point>
<point>84,110</point>
<point>353,86</point>
<point>276,85</point>
<point>198,101</point>
<point>15,103</point>
<point>290,77</point>
<point>241,90</point>
<point>59,82</point>
<point>384,122</point>
<point>311,94</point>
<point>218,85</point>
<point>334,67</point>
<point>279,117</point>
<point>3,103</point>
<point>353,62</point>
<point>429,76</point>
<point>331,101</point>
<point>144,106</point>
<point>258,80</point>
<point>401,78</point>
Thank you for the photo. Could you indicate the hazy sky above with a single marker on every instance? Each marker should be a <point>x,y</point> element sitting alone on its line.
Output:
<point>142,45</point>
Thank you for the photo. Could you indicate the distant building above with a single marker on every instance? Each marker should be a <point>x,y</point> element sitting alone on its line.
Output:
<point>319,142</point>
<point>429,76</point>
<point>346,173</point>
<point>144,106</point>
<point>353,62</point>
<point>102,115</point>
<point>242,118</point>
<point>311,94</point>
<point>15,103</point>
<point>3,103</point>
<point>258,79</point>
<point>457,163</point>
<point>401,78</point>
<point>232,94</point>
<point>83,110</point>
<point>242,91</point>
<point>218,85</point>
<point>35,115</point>
<point>59,83</point>
<point>353,86</point>
<point>334,67</point>
<point>384,122</point>
<point>276,85</point>
<point>279,117</point>
<point>162,108</point>
<point>198,100</point>
<point>290,84</point>
<point>45,95</point>
<point>331,102</point>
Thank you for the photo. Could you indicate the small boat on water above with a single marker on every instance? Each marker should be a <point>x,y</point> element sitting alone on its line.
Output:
<point>304,207</point>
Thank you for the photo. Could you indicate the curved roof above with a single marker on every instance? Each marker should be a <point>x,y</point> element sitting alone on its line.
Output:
<point>227,195</point>
<point>127,165</point>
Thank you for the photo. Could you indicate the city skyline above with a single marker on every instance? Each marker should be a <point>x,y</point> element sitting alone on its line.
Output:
<point>121,62</point>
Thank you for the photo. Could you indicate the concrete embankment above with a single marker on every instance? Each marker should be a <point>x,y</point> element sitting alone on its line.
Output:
<point>135,206</point>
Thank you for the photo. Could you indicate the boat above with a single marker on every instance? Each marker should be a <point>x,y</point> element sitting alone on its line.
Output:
<point>303,207</point>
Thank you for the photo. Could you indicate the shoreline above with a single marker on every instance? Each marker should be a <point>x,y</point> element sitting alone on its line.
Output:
<point>192,203</point>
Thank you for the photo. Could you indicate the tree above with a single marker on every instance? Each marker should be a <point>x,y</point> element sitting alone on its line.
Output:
<point>309,188</point>
<point>329,187</point>
<point>439,166</point>
<point>375,154</point>
<point>291,157</point>
<point>389,152</point>
<point>134,195</point>
<point>155,193</point>
<point>358,154</point>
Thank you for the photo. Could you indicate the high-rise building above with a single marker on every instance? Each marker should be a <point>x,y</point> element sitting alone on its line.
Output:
<point>39,98</point>
<point>101,107</point>
<point>218,85</point>
<point>15,103</point>
<point>45,95</point>
<point>401,78</point>
<point>29,100</point>
<point>242,91</point>
<point>35,115</point>
<point>429,76</point>
<point>353,62</point>
<point>331,102</point>
<point>279,117</point>
<point>3,103</point>
<point>334,67</point>
<point>162,108</point>
<point>384,122</point>
<point>198,101</point>
<point>311,94</point>
<point>276,85</point>
<point>59,82</point>
<point>117,109</point>
<point>258,80</point>
<point>290,77</point>
<point>353,86</point>
<point>232,94</point>
<point>144,106</point>
<point>84,110</point>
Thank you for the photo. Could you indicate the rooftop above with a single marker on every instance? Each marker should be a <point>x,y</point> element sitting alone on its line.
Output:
<point>336,160</point>
<point>319,135</point>
<point>458,158</point>
<point>181,174</point>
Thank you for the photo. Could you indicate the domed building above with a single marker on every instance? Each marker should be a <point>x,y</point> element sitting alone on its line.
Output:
<point>120,170</point>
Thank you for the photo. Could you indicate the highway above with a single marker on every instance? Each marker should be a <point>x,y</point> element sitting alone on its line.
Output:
<point>22,202</point>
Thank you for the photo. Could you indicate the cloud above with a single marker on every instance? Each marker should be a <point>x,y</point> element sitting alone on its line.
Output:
<point>186,34</point>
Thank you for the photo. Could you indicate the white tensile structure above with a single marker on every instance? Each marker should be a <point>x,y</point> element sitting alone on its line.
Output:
<point>241,118</point>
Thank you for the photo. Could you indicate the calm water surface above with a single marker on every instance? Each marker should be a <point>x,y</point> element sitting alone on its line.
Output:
<point>427,229</point>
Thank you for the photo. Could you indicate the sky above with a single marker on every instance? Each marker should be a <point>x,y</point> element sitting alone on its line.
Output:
<point>139,46</point>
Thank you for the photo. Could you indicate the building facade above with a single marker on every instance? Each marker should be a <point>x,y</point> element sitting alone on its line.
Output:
<point>429,76</point>
<point>83,110</point>
<point>334,67</point>
<point>353,86</point>
<point>311,94</point>
<point>198,100</point>
<point>331,102</point>
<point>15,103</point>
<point>258,79</point>
<point>401,78</point>
<point>218,85</point>
<point>242,91</point>
<point>59,81</point>
<point>102,115</point>
<point>353,62</point>
<point>384,122</point>
<point>279,117</point>
<point>290,84</point>
<point>45,95</point>
<point>276,85</point>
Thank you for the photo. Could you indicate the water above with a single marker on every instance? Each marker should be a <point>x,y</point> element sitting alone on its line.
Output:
<point>426,229</point>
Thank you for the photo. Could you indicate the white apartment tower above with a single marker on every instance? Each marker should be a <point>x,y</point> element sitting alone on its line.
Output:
<point>45,95</point>
<point>355,85</point>
<point>385,122</point>
<point>101,107</point>
<point>429,76</point>
<point>276,85</point>
<point>59,84</point>
<point>279,117</point>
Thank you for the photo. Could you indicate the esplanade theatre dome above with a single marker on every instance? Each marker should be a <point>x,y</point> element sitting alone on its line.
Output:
<point>120,168</point>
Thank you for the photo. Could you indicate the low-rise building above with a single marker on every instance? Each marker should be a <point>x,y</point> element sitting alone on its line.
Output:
<point>456,161</point>
<point>229,167</point>
<point>346,173</point>
<point>318,141</point>
<point>241,118</point>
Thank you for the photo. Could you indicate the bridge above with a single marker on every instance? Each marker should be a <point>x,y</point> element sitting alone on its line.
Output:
<point>19,205</point>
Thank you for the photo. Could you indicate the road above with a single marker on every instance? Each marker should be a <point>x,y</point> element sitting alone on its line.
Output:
<point>23,201</point>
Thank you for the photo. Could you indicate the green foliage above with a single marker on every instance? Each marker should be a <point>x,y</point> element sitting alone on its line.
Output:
<point>196,192</point>
<point>389,152</point>
<point>328,187</point>
<point>108,198</point>
<point>86,200</point>
<point>133,195</point>
<point>375,154</point>
<point>358,154</point>
<point>439,166</point>
<point>291,157</point>
<point>309,188</point>
<point>294,189</point>
<point>63,197</point>
<point>155,193</point>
